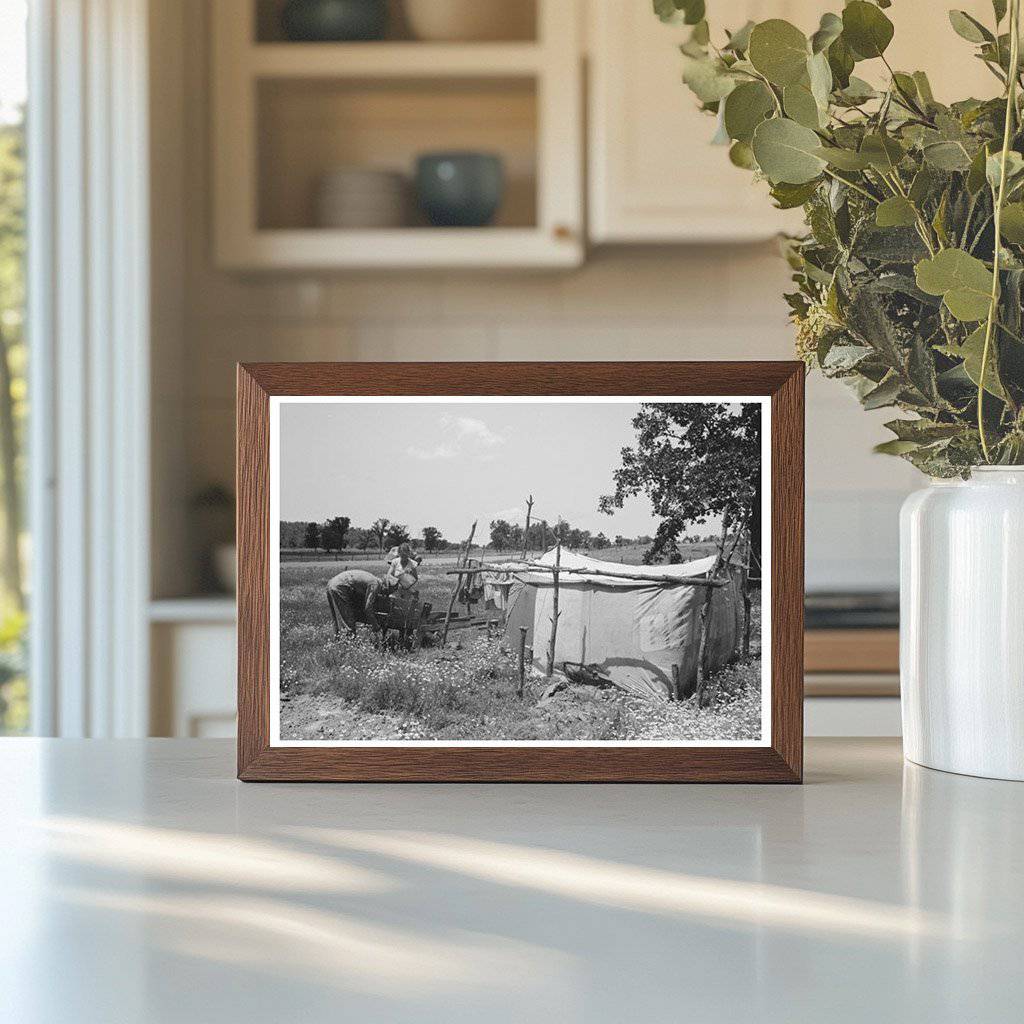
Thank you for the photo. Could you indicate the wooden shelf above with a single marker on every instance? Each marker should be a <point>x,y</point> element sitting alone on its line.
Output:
<point>393,60</point>
<point>284,114</point>
<point>319,248</point>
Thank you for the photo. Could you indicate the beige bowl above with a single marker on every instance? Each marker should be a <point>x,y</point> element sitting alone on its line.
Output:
<point>362,198</point>
<point>471,20</point>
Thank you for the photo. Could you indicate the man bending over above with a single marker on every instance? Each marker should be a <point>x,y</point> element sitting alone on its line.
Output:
<point>352,595</point>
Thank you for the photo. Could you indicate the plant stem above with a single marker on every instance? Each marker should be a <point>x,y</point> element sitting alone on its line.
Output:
<point>1011,108</point>
<point>853,185</point>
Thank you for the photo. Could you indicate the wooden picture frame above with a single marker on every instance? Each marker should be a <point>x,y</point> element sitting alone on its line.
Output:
<point>779,759</point>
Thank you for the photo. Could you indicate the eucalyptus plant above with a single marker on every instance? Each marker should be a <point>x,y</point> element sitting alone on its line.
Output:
<point>910,278</point>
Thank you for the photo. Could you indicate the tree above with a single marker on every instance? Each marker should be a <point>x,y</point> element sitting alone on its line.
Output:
<point>334,532</point>
<point>379,531</point>
<point>397,533</point>
<point>501,534</point>
<point>695,461</point>
<point>601,542</point>
<point>432,538</point>
<point>311,538</point>
<point>13,406</point>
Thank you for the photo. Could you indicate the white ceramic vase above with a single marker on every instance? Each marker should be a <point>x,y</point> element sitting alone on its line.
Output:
<point>962,624</point>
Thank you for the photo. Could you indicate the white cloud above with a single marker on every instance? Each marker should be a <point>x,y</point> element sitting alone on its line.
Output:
<point>511,515</point>
<point>470,429</point>
<point>441,451</point>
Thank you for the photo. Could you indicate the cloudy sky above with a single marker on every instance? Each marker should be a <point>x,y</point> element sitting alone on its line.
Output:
<point>444,465</point>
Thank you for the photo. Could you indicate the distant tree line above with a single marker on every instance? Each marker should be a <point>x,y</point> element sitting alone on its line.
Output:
<point>338,534</point>
<point>541,535</point>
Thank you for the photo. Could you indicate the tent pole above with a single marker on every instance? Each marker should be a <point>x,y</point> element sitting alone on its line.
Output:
<point>554,610</point>
<point>705,617</point>
<point>455,590</point>
<point>526,532</point>
<point>745,582</point>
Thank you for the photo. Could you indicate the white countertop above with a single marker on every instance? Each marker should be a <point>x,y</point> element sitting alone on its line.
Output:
<point>140,882</point>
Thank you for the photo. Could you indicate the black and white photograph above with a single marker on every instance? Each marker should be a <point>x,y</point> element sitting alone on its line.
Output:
<point>519,570</point>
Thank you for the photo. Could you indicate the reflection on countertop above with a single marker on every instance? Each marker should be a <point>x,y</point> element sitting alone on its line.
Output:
<point>144,883</point>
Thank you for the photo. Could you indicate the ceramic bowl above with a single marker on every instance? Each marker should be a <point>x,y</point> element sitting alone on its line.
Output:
<point>332,21</point>
<point>359,197</point>
<point>470,20</point>
<point>460,189</point>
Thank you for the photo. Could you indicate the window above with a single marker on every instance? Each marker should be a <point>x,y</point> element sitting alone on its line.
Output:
<point>14,690</point>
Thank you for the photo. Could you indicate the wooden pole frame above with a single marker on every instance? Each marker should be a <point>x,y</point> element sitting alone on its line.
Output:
<point>463,556</point>
<point>526,530</point>
<point>554,610</point>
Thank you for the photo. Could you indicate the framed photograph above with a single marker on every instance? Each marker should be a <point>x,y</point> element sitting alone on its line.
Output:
<point>578,572</point>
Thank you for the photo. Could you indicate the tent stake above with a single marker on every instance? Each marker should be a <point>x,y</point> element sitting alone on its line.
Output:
<point>522,659</point>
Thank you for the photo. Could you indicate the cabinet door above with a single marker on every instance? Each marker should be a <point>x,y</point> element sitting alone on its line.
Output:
<point>654,176</point>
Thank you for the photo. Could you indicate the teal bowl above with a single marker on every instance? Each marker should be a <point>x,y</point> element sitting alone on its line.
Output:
<point>334,21</point>
<point>460,190</point>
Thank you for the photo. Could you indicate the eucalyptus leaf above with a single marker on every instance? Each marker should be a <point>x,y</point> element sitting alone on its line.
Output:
<point>841,62</point>
<point>787,152</point>
<point>963,281</point>
<point>947,156</point>
<point>788,196</point>
<point>707,78</point>
<point>922,185</point>
<point>741,155</point>
<point>829,30</point>
<point>924,87</point>
<point>866,29</point>
<point>745,108</point>
<point>895,447</point>
<point>690,12</point>
<point>883,395</point>
<point>993,167</point>
<point>969,28</point>
<point>819,75</point>
<point>779,51</point>
<point>972,352</point>
<point>1012,223</point>
<point>801,106</point>
<point>883,152</point>
<point>895,212</point>
<point>857,91</point>
<point>976,174</point>
<point>739,41</point>
<point>922,431</point>
<point>844,159</point>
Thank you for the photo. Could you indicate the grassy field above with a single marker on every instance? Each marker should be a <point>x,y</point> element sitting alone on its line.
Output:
<point>348,689</point>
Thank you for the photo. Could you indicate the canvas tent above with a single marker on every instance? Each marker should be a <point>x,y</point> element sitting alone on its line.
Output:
<point>634,629</point>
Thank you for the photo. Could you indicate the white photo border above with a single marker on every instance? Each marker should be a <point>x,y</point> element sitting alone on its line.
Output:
<point>276,401</point>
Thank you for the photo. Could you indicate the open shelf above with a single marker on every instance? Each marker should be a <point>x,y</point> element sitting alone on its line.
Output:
<point>520,22</point>
<point>390,60</point>
<point>309,127</point>
<point>286,114</point>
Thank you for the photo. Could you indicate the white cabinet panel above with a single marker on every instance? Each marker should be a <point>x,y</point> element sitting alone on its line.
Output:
<point>654,177</point>
<point>653,174</point>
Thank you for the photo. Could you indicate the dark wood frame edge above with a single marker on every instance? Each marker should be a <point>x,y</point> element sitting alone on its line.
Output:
<point>780,762</point>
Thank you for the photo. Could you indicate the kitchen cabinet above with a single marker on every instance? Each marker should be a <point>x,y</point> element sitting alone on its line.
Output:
<point>654,177</point>
<point>287,114</point>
